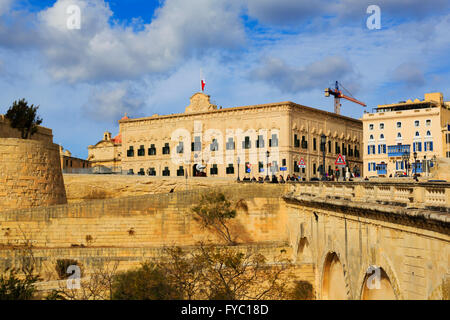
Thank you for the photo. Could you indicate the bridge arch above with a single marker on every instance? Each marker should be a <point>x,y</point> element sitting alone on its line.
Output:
<point>334,282</point>
<point>388,287</point>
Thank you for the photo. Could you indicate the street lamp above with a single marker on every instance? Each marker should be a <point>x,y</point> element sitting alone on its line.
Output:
<point>425,164</point>
<point>238,165</point>
<point>267,156</point>
<point>415,163</point>
<point>323,141</point>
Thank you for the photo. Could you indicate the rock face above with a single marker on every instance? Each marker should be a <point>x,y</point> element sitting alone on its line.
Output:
<point>30,174</point>
<point>97,186</point>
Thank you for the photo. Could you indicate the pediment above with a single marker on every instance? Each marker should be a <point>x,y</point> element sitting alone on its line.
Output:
<point>200,102</point>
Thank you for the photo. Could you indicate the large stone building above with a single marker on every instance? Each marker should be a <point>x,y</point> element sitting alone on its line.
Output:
<point>394,133</point>
<point>244,141</point>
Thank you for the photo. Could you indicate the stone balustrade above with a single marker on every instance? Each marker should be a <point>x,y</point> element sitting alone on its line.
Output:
<point>411,195</point>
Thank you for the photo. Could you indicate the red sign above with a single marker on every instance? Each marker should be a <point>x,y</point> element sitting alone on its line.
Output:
<point>301,163</point>
<point>340,161</point>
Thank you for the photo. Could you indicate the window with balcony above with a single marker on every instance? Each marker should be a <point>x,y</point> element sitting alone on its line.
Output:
<point>371,149</point>
<point>417,146</point>
<point>381,149</point>
<point>428,146</point>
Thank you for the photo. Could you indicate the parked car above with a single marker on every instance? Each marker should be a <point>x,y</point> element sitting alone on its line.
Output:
<point>314,179</point>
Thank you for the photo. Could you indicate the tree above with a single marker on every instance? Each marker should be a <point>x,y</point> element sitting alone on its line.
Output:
<point>302,290</point>
<point>24,118</point>
<point>146,283</point>
<point>206,273</point>
<point>213,212</point>
<point>13,287</point>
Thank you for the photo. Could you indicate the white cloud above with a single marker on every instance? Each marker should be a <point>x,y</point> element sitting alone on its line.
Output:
<point>5,6</point>
<point>101,51</point>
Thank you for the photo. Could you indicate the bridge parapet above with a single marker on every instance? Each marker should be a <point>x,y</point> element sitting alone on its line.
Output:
<point>411,195</point>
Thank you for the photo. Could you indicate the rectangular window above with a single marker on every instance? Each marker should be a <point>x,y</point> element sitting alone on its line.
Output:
<point>304,143</point>
<point>230,169</point>
<point>371,126</point>
<point>296,168</point>
<point>314,144</point>
<point>214,145</point>
<point>166,149</point>
<point>230,144</point>
<point>260,166</point>
<point>296,141</point>
<point>197,144</point>
<point>381,126</point>
<point>180,147</point>
<point>283,162</point>
<point>166,172</point>
<point>151,172</point>
<point>428,123</point>
<point>329,146</point>
<point>274,141</point>
<point>314,168</point>
<point>260,142</point>
<point>130,152</point>
<point>214,170</point>
<point>180,171</point>
<point>152,150</point>
<point>246,144</point>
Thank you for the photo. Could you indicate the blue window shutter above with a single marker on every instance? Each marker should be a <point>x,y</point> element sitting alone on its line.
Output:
<point>425,144</point>
<point>414,147</point>
<point>368,151</point>
<point>420,146</point>
<point>384,148</point>
<point>369,166</point>
<point>431,146</point>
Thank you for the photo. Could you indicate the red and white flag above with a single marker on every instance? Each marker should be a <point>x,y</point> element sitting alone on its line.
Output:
<point>202,81</point>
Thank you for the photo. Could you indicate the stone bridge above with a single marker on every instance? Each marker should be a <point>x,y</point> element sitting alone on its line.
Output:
<point>372,240</point>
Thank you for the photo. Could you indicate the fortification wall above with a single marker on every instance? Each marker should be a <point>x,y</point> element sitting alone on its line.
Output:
<point>145,221</point>
<point>30,174</point>
<point>82,187</point>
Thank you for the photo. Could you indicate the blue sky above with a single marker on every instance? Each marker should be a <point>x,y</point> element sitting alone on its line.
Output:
<point>144,57</point>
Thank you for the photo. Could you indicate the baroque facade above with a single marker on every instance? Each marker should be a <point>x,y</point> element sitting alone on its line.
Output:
<point>107,152</point>
<point>394,133</point>
<point>243,141</point>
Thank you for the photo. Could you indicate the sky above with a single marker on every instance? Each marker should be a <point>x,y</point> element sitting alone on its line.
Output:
<point>143,57</point>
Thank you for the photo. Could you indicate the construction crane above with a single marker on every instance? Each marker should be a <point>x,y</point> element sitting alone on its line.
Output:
<point>337,93</point>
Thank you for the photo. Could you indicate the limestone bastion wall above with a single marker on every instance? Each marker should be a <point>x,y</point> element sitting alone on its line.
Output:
<point>30,174</point>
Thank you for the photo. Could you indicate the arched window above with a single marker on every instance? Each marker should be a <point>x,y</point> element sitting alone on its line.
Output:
<point>381,136</point>
<point>371,137</point>
<point>399,135</point>
<point>417,134</point>
<point>428,133</point>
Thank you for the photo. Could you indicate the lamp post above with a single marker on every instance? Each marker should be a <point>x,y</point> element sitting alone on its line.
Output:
<point>238,165</point>
<point>323,141</point>
<point>415,163</point>
<point>425,164</point>
<point>267,156</point>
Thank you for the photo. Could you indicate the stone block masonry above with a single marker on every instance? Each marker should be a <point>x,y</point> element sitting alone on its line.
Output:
<point>30,174</point>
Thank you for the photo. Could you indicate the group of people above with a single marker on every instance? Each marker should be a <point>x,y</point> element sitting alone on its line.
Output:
<point>274,179</point>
